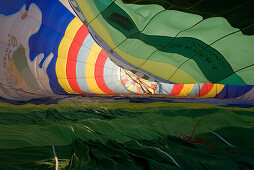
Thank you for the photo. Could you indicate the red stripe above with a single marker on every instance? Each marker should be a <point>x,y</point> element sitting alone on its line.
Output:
<point>138,90</point>
<point>72,58</point>
<point>176,89</point>
<point>206,88</point>
<point>98,72</point>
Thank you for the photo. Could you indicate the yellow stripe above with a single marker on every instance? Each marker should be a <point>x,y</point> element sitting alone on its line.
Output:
<point>129,78</point>
<point>90,68</point>
<point>147,83</point>
<point>219,87</point>
<point>122,73</point>
<point>130,88</point>
<point>214,91</point>
<point>151,90</point>
<point>186,89</point>
<point>63,50</point>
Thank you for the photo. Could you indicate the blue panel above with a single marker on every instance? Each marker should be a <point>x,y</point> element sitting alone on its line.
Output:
<point>35,41</point>
<point>223,93</point>
<point>47,7</point>
<point>242,90</point>
<point>232,91</point>
<point>60,19</point>
<point>54,84</point>
<point>33,54</point>
<point>9,7</point>
<point>51,40</point>
<point>55,19</point>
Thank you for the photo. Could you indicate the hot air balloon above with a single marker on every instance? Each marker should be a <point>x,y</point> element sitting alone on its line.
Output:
<point>179,39</point>
<point>46,51</point>
<point>50,55</point>
<point>109,52</point>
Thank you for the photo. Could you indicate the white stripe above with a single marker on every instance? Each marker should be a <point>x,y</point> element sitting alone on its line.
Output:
<point>195,90</point>
<point>161,152</point>
<point>81,63</point>
<point>55,156</point>
<point>110,75</point>
<point>223,139</point>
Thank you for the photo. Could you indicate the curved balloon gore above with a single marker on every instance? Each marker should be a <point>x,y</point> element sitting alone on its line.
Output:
<point>139,85</point>
<point>181,45</point>
<point>45,50</point>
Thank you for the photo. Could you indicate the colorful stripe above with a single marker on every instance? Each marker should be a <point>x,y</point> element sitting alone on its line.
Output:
<point>135,84</point>
<point>204,90</point>
<point>126,80</point>
<point>112,79</point>
<point>90,69</point>
<point>186,89</point>
<point>139,91</point>
<point>207,87</point>
<point>99,68</point>
<point>214,91</point>
<point>176,89</point>
<point>63,51</point>
<point>195,90</point>
<point>81,63</point>
<point>131,86</point>
<point>72,58</point>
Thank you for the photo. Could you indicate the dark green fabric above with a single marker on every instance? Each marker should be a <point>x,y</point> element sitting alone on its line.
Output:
<point>126,136</point>
<point>210,61</point>
<point>237,12</point>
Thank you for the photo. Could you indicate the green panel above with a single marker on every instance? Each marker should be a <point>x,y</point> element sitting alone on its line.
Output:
<point>137,31</point>
<point>193,70</point>
<point>244,74</point>
<point>170,23</point>
<point>238,50</point>
<point>96,7</point>
<point>141,49</point>
<point>238,13</point>
<point>209,30</point>
<point>141,14</point>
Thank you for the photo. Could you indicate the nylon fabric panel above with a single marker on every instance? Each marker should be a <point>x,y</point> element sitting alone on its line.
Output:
<point>90,69</point>
<point>72,58</point>
<point>187,88</point>
<point>205,89</point>
<point>198,41</point>
<point>99,68</point>
<point>176,89</point>
<point>214,91</point>
<point>81,63</point>
<point>63,51</point>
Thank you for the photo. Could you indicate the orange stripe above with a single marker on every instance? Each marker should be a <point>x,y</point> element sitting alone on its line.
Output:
<point>138,90</point>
